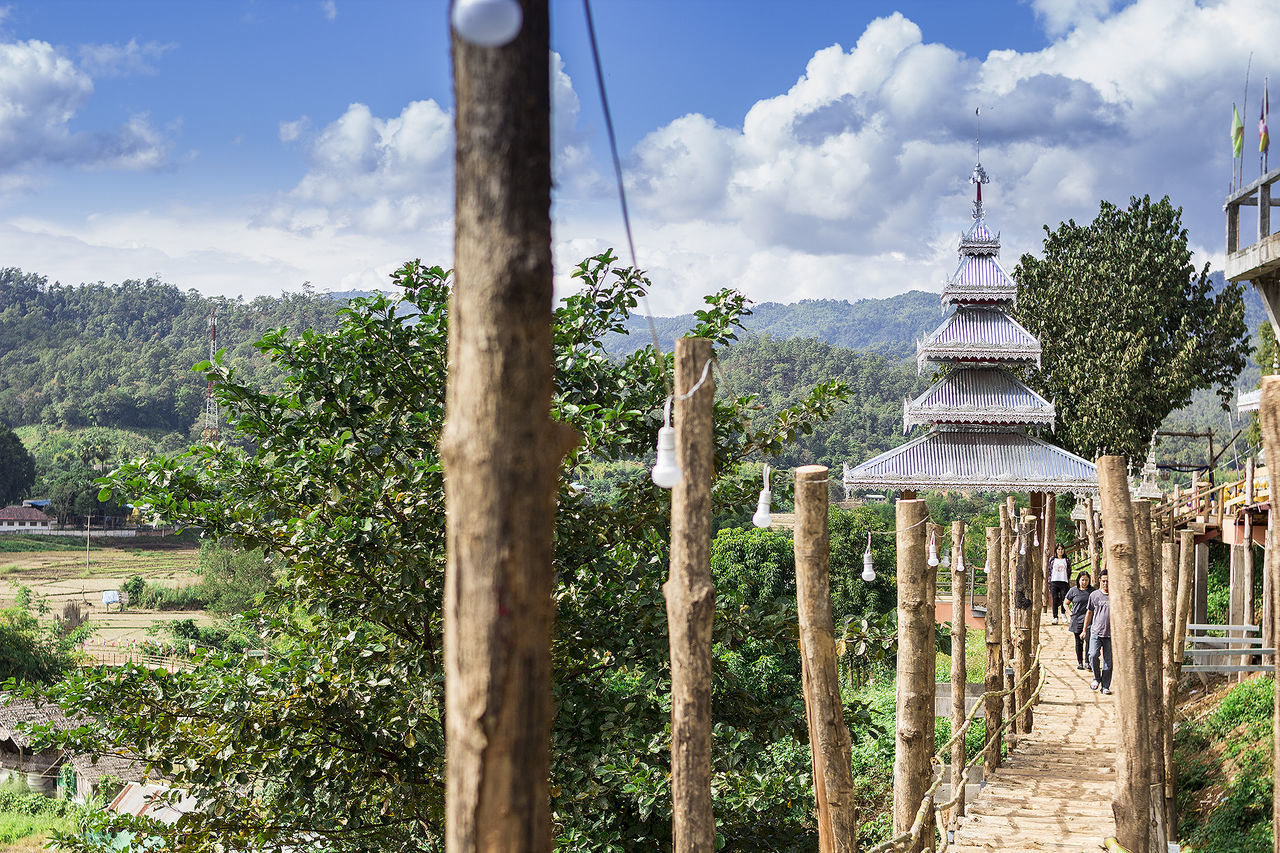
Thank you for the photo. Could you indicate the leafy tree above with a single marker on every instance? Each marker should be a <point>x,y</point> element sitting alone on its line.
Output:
<point>1129,328</point>
<point>336,738</point>
<point>17,467</point>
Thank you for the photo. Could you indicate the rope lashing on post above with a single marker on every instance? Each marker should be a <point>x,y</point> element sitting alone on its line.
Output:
<point>906,841</point>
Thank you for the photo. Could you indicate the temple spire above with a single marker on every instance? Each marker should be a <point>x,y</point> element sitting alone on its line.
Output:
<point>978,178</point>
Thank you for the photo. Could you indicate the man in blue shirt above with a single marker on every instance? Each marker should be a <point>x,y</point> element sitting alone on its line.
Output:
<point>1097,624</point>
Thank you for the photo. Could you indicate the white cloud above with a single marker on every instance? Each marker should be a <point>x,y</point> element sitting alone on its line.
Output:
<point>329,9</point>
<point>41,91</point>
<point>117,60</point>
<point>291,130</point>
<point>853,182</point>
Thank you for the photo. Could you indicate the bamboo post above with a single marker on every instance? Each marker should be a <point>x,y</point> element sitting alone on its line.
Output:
<point>1151,637</point>
<point>1007,547</point>
<point>1269,414</point>
<point>499,578</point>
<point>995,650</point>
<point>691,602</point>
<point>959,674</point>
<point>1131,804</point>
<point>916,664</point>
<point>828,734</point>
<point>1169,612</point>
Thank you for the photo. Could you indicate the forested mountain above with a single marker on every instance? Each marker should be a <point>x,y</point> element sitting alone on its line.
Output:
<point>886,326</point>
<point>121,355</point>
<point>781,372</point>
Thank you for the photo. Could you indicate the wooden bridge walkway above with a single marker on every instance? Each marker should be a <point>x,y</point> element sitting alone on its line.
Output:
<point>1054,790</point>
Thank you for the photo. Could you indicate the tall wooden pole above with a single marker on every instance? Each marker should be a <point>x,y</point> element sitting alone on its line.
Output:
<point>995,650</point>
<point>1091,531</point>
<point>691,603</point>
<point>1008,568</point>
<point>828,734</point>
<point>1169,607</point>
<point>1132,801</point>
<point>1024,619</point>
<point>1269,413</point>
<point>498,606</point>
<point>1151,636</point>
<point>959,673</point>
<point>916,664</point>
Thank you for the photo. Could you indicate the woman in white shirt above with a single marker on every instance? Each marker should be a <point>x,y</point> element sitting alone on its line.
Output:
<point>1059,579</point>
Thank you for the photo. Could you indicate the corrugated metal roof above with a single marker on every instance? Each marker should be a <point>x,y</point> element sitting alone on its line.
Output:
<point>980,395</point>
<point>979,333</point>
<point>979,239</point>
<point>1249,401</point>
<point>979,278</point>
<point>984,460</point>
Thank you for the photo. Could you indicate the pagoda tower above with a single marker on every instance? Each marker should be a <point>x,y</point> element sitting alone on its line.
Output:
<point>978,412</point>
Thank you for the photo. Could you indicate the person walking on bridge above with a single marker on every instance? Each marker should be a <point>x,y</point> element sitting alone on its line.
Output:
<point>1059,579</point>
<point>1077,599</point>
<point>1097,623</point>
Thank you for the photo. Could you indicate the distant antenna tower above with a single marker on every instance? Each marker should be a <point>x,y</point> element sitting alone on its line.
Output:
<point>211,419</point>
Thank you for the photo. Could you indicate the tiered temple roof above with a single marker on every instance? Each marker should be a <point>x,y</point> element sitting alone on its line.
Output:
<point>977,411</point>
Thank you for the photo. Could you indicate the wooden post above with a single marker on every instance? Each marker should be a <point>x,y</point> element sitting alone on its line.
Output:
<point>931,594</point>
<point>1150,635</point>
<point>995,651</point>
<point>498,605</point>
<point>691,603</point>
<point>1091,529</point>
<point>1269,414</point>
<point>1200,600</point>
<point>1169,612</point>
<point>1246,579</point>
<point>1026,607</point>
<point>916,664</point>
<point>1186,580</point>
<point>1132,801</point>
<point>1235,600</point>
<point>959,674</point>
<point>828,734</point>
<point>1268,591</point>
<point>1007,547</point>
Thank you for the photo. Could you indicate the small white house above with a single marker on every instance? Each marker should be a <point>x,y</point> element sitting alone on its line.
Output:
<point>23,519</point>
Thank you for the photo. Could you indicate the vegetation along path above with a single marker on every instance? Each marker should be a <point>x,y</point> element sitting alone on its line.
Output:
<point>1053,791</point>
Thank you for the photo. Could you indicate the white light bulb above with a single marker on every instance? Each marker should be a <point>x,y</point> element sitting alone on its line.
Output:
<point>868,568</point>
<point>1036,542</point>
<point>933,552</point>
<point>666,473</point>
<point>487,23</point>
<point>946,561</point>
<point>762,517</point>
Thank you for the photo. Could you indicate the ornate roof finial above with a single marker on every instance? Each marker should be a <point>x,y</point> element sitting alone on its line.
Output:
<point>979,176</point>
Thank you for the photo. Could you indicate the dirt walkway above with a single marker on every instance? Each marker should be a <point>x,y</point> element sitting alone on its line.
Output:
<point>1054,791</point>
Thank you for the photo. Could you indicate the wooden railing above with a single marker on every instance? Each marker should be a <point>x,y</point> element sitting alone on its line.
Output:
<point>1210,504</point>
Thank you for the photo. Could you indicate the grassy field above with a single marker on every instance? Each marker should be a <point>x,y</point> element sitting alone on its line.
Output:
<point>57,572</point>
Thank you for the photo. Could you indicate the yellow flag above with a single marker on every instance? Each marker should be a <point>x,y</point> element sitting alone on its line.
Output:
<point>1237,133</point>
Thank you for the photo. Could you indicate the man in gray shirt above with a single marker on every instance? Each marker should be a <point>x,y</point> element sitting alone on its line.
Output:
<point>1097,624</point>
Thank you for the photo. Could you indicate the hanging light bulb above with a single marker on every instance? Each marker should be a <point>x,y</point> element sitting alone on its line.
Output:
<point>1022,544</point>
<point>933,549</point>
<point>868,567</point>
<point>762,518</point>
<point>666,473</point>
<point>946,561</point>
<point>1036,542</point>
<point>487,23</point>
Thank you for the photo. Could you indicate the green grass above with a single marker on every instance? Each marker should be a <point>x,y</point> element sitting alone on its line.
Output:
<point>975,658</point>
<point>16,543</point>
<point>1225,773</point>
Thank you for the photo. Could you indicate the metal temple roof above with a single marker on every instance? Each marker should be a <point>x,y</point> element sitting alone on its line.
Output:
<point>979,333</point>
<point>998,460</point>
<point>978,395</point>
<point>979,278</point>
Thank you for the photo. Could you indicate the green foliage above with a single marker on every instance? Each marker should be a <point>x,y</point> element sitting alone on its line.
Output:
<point>1129,328</point>
<point>780,373</point>
<point>69,460</point>
<point>17,467</point>
<point>339,730</point>
<point>232,580</point>
<point>1224,772</point>
<point>120,355</point>
<point>31,652</point>
<point>24,813</point>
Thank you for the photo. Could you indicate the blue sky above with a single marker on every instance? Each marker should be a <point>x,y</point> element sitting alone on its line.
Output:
<point>794,149</point>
